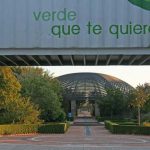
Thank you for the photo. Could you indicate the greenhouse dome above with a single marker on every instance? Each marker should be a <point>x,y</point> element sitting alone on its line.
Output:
<point>87,86</point>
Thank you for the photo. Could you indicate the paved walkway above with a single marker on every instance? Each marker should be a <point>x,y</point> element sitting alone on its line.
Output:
<point>86,121</point>
<point>77,138</point>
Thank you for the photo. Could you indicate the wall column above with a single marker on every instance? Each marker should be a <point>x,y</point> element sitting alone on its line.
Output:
<point>73,108</point>
<point>97,111</point>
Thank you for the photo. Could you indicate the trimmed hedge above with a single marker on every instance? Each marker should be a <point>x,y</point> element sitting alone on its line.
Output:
<point>110,125</point>
<point>34,128</point>
<point>126,129</point>
<point>115,119</point>
<point>127,123</point>
<point>53,128</point>
<point>70,118</point>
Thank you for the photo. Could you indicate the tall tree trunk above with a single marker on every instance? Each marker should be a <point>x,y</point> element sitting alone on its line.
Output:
<point>139,116</point>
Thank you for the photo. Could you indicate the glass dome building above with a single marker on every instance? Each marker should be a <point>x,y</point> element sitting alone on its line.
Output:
<point>87,86</point>
<point>79,87</point>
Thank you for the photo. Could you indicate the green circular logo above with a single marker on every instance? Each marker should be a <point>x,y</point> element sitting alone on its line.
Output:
<point>145,4</point>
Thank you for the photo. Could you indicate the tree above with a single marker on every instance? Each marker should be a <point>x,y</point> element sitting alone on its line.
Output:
<point>13,107</point>
<point>43,90</point>
<point>139,98</point>
<point>113,104</point>
<point>146,107</point>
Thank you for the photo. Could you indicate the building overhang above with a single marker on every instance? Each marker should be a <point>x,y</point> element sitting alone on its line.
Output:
<point>74,56</point>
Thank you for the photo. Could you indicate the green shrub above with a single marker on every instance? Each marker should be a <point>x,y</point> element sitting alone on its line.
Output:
<point>146,117</point>
<point>53,128</point>
<point>110,125</point>
<point>62,117</point>
<point>126,129</point>
<point>115,119</point>
<point>70,118</point>
<point>127,123</point>
<point>100,119</point>
<point>34,128</point>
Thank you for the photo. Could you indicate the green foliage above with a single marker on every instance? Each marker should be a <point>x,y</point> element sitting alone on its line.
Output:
<point>61,117</point>
<point>53,128</point>
<point>20,111</point>
<point>115,103</point>
<point>146,108</point>
<point>118,119</point>
<point>34,128</point>
<point>146,117</point>
<point>139,97</point>
<point>70,118</point>
<point>110,125</point>
<point>101,119</point>
<point>126,123</point>
<point>126,128</point>
<point>13,107</point>
<point>43,91</point>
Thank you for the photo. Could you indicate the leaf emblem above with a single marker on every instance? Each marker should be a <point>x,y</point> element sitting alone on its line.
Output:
<point>145,4</point>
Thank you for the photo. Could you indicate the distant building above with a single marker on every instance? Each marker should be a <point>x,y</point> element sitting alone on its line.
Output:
<point>88,86</point>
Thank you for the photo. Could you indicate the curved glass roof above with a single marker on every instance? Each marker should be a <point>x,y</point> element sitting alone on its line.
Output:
<point>87,86</point>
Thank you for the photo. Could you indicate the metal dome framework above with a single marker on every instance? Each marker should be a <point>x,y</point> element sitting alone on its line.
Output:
<point>88,86</point>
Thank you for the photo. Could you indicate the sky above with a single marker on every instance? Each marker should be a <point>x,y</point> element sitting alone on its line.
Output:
<point>134,75</point>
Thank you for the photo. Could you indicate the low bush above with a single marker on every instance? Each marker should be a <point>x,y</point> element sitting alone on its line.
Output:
<point>115,119</point>
<point>34,128</point>
<point>126,129</point>
<point>53,128</point>
<point>146,117</point>
<point>110,125</point>
<point>70,118</point>
<point>101,119</point>
<point>127,123</point>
